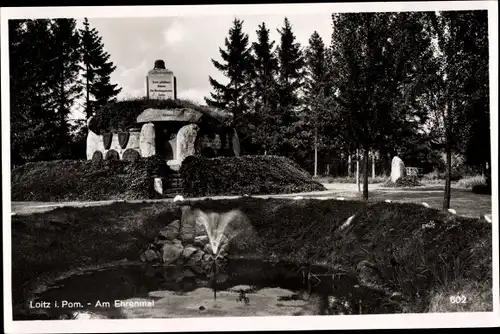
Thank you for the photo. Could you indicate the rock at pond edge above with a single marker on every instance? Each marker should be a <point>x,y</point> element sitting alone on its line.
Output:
<point>171,253</point>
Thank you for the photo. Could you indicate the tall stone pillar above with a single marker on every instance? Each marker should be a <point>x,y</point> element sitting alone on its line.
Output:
<point>186,138</point>
<point>147,140</point>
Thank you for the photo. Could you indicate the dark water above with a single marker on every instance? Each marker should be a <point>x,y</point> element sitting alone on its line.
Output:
<point>136,281</point>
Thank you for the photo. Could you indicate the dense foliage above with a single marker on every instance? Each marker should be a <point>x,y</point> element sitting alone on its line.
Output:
<point>48,58</point>
<point>74,180</point>
<point>413,84</point>
<point>244,175</point>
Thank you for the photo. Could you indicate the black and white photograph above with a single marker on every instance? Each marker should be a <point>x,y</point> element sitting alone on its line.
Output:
<point>250,167</point>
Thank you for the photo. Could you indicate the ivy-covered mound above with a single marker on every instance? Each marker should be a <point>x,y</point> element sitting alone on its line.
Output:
<point>251,175</point>
<point>405,181</point>
<point>87,180</point>
<point>122,115</point>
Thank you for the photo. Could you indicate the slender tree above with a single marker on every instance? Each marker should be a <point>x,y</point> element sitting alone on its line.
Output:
<point>316,89</point>
<point>97,70</point>
<point>380,63</point>
<point>457,89</point>
<point>290,81</point>
<point>264,89</point>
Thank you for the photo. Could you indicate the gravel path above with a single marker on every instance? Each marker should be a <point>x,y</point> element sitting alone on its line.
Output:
<point>463,201</point>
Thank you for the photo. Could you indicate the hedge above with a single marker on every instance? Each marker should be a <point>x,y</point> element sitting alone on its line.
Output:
<point>245,175</point>
<point>77,180</point>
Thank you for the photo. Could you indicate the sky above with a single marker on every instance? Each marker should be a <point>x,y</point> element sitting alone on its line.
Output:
<point>186,44</point>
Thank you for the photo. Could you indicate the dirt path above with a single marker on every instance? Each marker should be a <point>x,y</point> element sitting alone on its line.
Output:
<point>463,201</point>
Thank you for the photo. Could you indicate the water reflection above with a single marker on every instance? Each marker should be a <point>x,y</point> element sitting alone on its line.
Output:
<point>271,289</point>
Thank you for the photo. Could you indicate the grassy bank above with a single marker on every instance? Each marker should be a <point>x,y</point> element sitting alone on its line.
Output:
<point>252,175</point>
<point>87,180</point>
<point>421,253</point>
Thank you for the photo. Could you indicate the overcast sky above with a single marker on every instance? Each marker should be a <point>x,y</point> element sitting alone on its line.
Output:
<point>186,44</point>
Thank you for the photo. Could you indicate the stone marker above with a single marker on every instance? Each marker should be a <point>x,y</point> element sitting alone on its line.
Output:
<point>147,140</point>
<point>397,168</point>
<point>158,185</point>
<point>186,138</point>
<point>160,82</point>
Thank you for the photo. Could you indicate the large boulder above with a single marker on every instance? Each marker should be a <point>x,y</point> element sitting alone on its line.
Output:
<point>171,231</point>
<point>149,256</point>
<point>397,168</point>
<point>171,252</point>
<point>188,252</point>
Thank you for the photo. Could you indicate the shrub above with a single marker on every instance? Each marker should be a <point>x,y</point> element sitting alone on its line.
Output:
<point>405,181</point>
<point>244,175</point>
<point>77,180</point>
<point>482,189</point>
<point>471,181</point>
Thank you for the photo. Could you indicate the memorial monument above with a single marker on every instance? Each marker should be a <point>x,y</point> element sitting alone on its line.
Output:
<point>172,133</point>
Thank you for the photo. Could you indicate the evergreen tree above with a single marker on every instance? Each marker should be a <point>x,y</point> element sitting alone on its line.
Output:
<point>97,69</point>
<point>316,93</point>
<point>237,68</point>
<point>33,122</point>
<point>291,67</point>
<point>235,96</point>
<point>65,65</point>
<point>290,74</point>
<point>264,89</point>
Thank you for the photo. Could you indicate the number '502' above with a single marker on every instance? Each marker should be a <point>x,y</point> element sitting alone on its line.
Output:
<point>458,299</point>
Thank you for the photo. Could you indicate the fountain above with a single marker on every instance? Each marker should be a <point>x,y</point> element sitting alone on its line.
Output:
<point>216,226</point>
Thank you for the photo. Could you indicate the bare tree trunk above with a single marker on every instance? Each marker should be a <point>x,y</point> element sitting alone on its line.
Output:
<point>349,165</point>
<point>357,169</point>
<point>373,165</point>
<point>447,187</point>
<point>316,151</point>
<point>365,174</point>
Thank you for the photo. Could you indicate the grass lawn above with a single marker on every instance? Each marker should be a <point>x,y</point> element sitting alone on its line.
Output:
<point>419,252</point>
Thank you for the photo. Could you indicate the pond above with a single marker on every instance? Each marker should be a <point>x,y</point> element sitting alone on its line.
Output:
<point>242,288</point>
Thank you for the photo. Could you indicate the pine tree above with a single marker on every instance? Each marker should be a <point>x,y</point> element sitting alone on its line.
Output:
<point>33,122</point>
<point>264,89</point>
<point>316,91</point>
<point>237,68</point>
<point>97,69</point>
<point>290,74</point>
<point>65,65</point>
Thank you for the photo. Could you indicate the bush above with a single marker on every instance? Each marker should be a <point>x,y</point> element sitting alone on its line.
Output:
<point>482,189</point>
<point>244,175</point>
<point>471,181</point>
<point>83,180</point>
<point>405,181</point>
